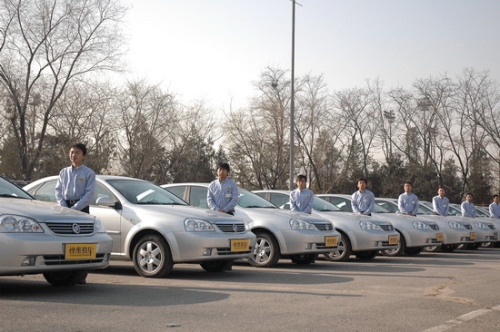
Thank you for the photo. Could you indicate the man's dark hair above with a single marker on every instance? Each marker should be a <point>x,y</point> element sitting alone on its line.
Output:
<point>363,179</point>
<point>495,196</point>
<point>409,183</point>
<point>80,146</point>
<point>469,194</point>
<point>300,177</point>
<point>223,166</point>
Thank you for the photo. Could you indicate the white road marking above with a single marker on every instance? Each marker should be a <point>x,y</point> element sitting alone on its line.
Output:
<point>461,319</point>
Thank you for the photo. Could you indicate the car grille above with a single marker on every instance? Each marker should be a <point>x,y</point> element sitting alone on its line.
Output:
<point>231,228</point>
<point>468,226</point>
<point>324,227</point>
<point>434,227</point>
<point>227,251</point>
<point>69,228</point>
<point>387,228</point>
<point>59,260</point>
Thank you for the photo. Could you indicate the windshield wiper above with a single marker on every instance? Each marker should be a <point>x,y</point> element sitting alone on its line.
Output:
<point>10,196</point>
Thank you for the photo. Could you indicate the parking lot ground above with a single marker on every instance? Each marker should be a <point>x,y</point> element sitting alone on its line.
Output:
<point>457,291</point>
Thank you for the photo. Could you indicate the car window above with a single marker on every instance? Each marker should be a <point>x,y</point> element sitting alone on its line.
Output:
<point>102,191</point>
<point>177,191</point>
<point>8,189</point>
<point>46,192</point>
<point>342,203</point>
<point>248,199</point>
<point>388,206</point>
<point>280,200</point>
<point>143,192</point>
<point>322,205</point>
<point>198,197</point>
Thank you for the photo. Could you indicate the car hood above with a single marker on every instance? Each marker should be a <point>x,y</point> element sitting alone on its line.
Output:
<point>39,210</point>
<point>276,214</point>
<point>179,211</point>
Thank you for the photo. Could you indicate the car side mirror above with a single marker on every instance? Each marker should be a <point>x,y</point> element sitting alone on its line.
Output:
<point>106,201</point>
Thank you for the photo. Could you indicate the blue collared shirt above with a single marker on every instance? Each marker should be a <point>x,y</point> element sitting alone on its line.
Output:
<point>363,202</point>
<point>222,195</point>
<point>495,210</point>
<point>408,203</point>
<point>301,201</point>
<point>468,209</point>
<point>75,184</point>
<point>440,205</point>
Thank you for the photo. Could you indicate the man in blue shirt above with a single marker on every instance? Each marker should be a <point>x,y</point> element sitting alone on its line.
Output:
<point>440,203</point>
<point>495,207</point>
<point>301,199</point>
<point>222,194</point>
<point>363,200</point>
<point>407,201</point>
<point>468,208</point>
<point>75,187</point>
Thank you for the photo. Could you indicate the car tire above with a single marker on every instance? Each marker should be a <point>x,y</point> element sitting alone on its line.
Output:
<point>64,278</point>
<point>366,255</point>
<point>431,248</point>
<point>152,257</point>
<point>304,259</point>
<point>266,252</point>
<point>217,266</point>
<point>473,246</point>
<point>342,252</point>
<point>398,251</point>
<point>449,247</point>
<point>413,251</point>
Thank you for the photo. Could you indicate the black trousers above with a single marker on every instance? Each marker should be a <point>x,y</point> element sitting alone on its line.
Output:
<point>70,203</point>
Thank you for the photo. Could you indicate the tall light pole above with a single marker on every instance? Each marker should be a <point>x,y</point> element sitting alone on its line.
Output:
<point>292,103</point>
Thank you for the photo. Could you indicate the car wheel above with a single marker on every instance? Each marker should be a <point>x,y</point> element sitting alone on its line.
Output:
<point>266,252</point>
<point>366,255</point>
<point>449,247</point>
<point>398,251</point>
<point>65,278</point>
<point>473,246</point>
<point>431,248</point>
<point>217,266</point>
<point>342,252</point>
<point>413,251</point>
<point>304,259</point>
<point>152,257</point>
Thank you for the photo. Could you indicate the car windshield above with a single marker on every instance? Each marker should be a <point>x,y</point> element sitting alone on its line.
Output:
<point>320,204</point>
<point>248,199</point>
<point>8,189</point>
<point>143,192</point>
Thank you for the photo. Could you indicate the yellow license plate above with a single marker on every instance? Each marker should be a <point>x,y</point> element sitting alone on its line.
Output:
<point>331,241</point>
<point>80,251</point>
<point>439,237</point>
<point>393,239</point>
<point>240,245</point>
<point>472,235</point>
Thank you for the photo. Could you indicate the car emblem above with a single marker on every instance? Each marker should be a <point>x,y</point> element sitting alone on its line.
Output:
<point>76,229</point>
<point>235,228</point>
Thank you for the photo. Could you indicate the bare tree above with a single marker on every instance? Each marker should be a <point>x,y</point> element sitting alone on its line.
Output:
<point>44,46</point>
<point>148,121</point>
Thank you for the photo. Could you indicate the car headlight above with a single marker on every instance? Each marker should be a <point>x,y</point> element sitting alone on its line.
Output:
<point>420,225</point>
<point>98,226</point>
<point>299,224</point>
<point>198,225</point>
<point>369,226</point>
<point>481,226</point>
<point>10,223</point>
<point>455,225</point>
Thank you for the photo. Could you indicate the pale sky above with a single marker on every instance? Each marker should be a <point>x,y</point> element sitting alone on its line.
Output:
<point>214,50</point>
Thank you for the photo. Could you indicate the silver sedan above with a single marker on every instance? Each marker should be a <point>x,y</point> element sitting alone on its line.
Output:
<point>39,237</point>
<point>298,236</point>
<point>362,236</point>
<point>156,230</point>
